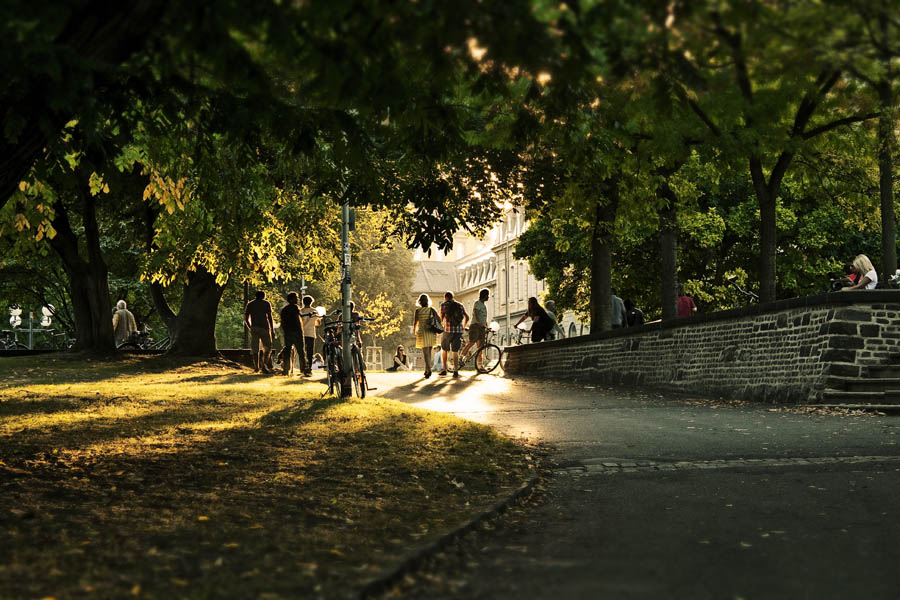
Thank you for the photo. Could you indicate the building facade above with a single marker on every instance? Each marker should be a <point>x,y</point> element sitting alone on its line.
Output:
<point>488,262</point>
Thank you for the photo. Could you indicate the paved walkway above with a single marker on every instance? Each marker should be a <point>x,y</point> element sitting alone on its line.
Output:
<point>671,497</point>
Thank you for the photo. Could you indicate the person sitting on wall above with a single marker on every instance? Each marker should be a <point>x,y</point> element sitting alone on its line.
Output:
<point>634,315</point>
<point>686,306</point>
<point>867,277</point>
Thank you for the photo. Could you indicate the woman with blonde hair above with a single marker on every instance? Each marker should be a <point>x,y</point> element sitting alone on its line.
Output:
<point>425,336</point>
<point>866,277</point>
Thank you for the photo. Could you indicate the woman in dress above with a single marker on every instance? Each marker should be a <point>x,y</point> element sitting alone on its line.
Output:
<point>866,277</point>
<point>425,337</point>
<point>541,322</point>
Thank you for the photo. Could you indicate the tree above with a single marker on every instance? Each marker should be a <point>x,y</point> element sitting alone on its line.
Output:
<point>765,105</point>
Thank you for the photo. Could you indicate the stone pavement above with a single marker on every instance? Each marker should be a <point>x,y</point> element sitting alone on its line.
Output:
<point>671,497</point>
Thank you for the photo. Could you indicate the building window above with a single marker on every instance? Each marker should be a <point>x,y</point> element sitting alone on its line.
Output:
<point>573,331</point>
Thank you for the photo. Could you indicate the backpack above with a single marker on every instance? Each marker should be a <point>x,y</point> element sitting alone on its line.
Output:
<point>455,313</point>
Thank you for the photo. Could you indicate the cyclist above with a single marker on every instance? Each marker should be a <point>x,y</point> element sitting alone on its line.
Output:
<point>478,324</point>
<point>542,323</point>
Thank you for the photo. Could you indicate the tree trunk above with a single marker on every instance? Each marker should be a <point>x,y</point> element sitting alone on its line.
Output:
<point>668,248</point>
<point>886,145</point>
<point>601,257</point>
<point>766,193</point>
<point>195,328</point>
<point>88,279</point>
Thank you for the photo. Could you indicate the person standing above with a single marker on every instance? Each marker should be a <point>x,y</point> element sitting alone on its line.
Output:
<point>425,336</point>
<point>686,306</point>
<point>619,317</point>
<point>455,318</point>
<point>293,334</point>
<point>258,319</point>
<point>123,323</point>
<point>478,325</point>
<point>310,321</point>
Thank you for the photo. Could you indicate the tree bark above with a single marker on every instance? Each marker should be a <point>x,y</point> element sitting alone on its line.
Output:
<point>668,248</point>
<point>886,144</point>
<point>88,279</point>
<point>601,257</point>
<point>768,235</point>
<point>195,327</point>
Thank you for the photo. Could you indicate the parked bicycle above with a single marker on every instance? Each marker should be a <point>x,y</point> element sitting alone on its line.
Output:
<point>9,342</point>
<point>333,354</point>
<point>488,356</point>
<point>141,340</point>
<point>523,337</point>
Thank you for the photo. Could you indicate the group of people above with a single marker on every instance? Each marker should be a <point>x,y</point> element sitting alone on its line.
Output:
<point>451,322</point>
<point>298,325</point>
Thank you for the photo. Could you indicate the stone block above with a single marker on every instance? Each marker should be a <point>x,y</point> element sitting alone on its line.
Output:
<point>839,370</point>
<point>846,341</point>
<point>839,328</point>
<point>782,321</point>
<point>839,355</point>
<point>850,314</point>
<point>869,330</point>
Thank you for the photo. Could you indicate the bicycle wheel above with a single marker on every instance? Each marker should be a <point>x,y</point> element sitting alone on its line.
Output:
<point>333,371</point>
<point>488,357</point>
<point>359,373</point>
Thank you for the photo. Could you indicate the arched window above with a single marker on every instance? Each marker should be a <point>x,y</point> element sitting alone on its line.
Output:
<point>573,331</point>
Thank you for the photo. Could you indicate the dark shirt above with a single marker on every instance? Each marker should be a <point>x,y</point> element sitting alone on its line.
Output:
<point>290,319</point>
<point>260,312</point>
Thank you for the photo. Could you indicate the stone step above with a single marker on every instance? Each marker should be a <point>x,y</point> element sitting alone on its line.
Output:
<point>861,384</point>
<point>885,408</point>
<point>888,371</point>
<point>854,397</point>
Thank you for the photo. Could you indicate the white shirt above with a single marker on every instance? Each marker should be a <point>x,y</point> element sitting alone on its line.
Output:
<point>873,280</point>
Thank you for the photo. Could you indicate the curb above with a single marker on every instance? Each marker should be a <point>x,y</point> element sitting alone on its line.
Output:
<point>414,559</point>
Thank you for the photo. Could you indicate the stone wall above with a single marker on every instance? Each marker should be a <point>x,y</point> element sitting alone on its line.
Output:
<point>785,351</point>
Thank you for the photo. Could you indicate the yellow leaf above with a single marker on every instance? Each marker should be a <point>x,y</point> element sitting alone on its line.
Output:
<point>336,552</point>
<point>202,518</point>
<point>232,545</point>
<point>181,582</point>
<point>136,590</point>
<point>256,526</point>
<point>22,185</point>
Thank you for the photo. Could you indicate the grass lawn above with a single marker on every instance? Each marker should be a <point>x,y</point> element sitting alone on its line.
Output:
<point>154,478</point>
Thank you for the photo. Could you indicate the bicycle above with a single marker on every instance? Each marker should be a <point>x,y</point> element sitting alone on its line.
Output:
<point>141,340</point>
<point>523,337</point>
<point>488,356</point>
<point>9,342</point>
<point>334,361</point>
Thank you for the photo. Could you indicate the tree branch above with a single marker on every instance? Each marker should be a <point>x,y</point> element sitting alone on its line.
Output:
<point>838,123</point>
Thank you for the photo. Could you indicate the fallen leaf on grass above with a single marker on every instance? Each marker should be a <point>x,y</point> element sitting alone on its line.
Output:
<point>202,518</point>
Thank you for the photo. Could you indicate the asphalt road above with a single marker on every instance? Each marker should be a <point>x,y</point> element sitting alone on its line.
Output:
<point>672,497</point>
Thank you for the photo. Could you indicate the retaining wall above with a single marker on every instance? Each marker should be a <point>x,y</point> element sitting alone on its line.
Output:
<point>784,351</point>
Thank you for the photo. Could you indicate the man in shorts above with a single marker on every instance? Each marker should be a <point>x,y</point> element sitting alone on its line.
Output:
<point>455,318</point>
<point>258,319</point>
<point>478,325</point>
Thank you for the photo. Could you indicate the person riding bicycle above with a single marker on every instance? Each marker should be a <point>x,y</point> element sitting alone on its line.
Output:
<point>541,322</point>
<point>478,324</point>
